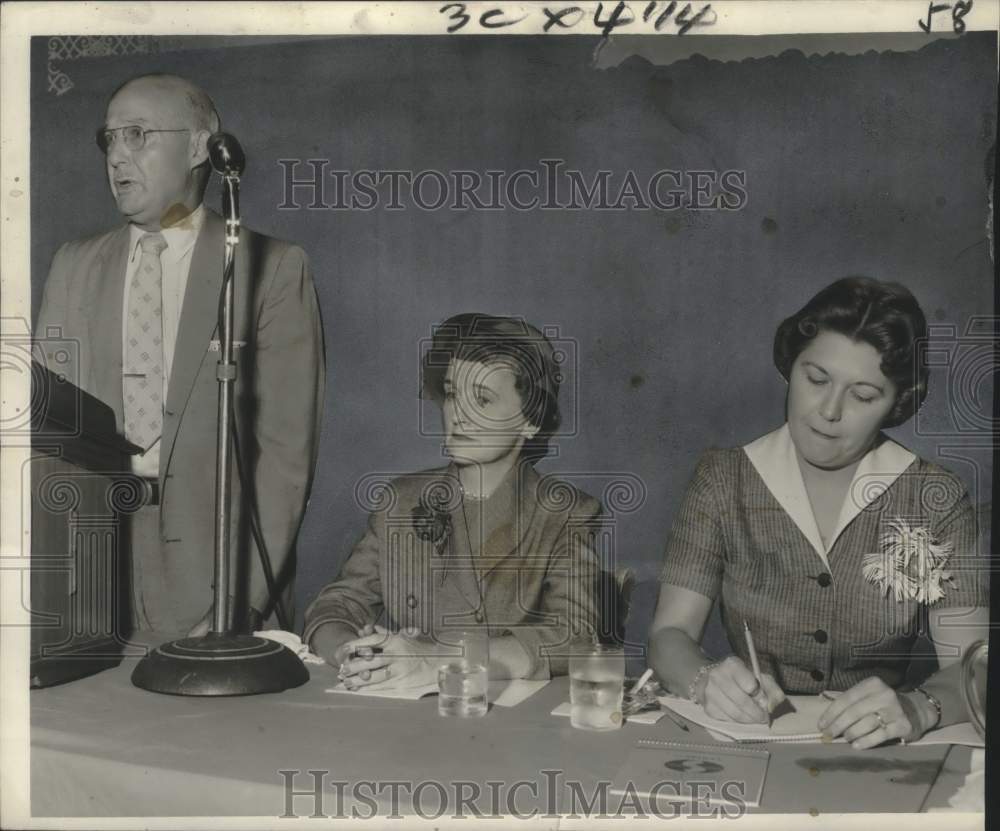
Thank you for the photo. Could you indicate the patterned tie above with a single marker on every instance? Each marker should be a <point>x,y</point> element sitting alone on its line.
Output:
<point>144,351</point>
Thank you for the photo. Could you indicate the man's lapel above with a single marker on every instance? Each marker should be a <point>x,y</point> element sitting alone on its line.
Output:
<point>199,318</point>
<point>105,320</point>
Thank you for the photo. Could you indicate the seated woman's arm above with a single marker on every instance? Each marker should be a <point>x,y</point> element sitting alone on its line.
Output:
<point>693,568</point>
<point>349,606</point>
<point>956,621</point>
<point>908,715</point>
<point>727,689</point>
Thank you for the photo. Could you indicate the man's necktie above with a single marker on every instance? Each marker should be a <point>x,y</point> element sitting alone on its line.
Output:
<point>143,364</point>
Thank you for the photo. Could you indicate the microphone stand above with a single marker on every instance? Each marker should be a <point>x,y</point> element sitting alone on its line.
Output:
<point>222,662</point>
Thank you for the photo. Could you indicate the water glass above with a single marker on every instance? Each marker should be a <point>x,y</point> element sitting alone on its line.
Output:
<point>596,684</point>
<point>463,674</point>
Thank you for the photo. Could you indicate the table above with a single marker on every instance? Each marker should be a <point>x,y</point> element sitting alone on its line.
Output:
<point>101,747</point>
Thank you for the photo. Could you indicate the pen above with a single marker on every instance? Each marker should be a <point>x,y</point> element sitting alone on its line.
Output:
<point>755,665</point>
<point>642,680</point>
<point>676,719</point>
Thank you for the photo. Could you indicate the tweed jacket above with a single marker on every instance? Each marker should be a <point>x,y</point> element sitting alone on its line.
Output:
<point>746,535</point>
<point>521,562</point>
<point>278,401</point>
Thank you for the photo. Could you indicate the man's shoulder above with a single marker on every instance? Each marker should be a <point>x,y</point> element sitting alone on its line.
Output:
<point>271,251</point>
<point>94,243</point>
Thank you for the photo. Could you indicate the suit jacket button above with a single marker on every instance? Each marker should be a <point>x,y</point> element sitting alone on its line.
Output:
<point>824,579</point>
<point>820,636</point>
<point>817,675</point>
<point>479,616</point>
<point>411,601</point>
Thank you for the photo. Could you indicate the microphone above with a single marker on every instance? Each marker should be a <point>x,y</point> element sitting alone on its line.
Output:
<point>226,155</point>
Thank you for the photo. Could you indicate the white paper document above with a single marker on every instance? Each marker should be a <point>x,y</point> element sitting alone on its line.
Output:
<point>647,717</point>
<point>405,693</point>
<point>503,693</point>
<point>511,693</point>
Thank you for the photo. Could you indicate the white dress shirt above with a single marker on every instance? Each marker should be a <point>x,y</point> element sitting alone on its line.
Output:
<point>176,263</point>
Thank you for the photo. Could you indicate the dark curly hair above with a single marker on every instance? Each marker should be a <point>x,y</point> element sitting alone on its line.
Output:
<point>885,315</point>
<point>511,340</point>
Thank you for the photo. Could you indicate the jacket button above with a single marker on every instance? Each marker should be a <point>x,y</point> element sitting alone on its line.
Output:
<point>479,616</point>
<point>820,636</point>
<point>824,580</point>
<point>817,675</point>
<point>411,601</point>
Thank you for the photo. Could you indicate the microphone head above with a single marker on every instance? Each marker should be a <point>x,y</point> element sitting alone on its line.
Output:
<point>226,155</point>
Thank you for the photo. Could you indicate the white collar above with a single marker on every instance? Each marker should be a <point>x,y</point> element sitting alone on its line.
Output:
<point>773,456</point>
<point>180,237</point>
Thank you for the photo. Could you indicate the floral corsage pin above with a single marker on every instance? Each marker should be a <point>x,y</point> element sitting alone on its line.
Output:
<point>910,563</point>
<point>432,521</point>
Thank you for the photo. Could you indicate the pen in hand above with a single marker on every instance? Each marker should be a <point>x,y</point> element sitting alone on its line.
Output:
<point>755,666</point>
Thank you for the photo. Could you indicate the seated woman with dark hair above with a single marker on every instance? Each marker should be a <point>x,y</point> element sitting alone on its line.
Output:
<point>835,544</point>
<point>482,543</point>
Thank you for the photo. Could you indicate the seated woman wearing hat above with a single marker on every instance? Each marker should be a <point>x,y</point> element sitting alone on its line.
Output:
<point>835,544</point>
<point>482,543</point>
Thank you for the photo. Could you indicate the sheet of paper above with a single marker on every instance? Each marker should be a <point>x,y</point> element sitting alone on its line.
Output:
<point>963,733</point>
<point>406,693</point>
<point>649,717</point>
<point>513,692</point>
<point>798,726</point>
<point>502,693</point>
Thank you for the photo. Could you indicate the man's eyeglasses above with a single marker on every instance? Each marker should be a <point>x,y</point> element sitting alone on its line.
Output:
<point>132,135</point>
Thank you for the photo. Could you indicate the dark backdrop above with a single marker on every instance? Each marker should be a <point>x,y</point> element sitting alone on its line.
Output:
<point>869,163</point>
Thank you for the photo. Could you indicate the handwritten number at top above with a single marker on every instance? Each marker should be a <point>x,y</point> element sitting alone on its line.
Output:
<point>958,11</point>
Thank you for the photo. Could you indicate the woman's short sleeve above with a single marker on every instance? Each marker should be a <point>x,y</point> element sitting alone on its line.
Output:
<point>955,525</point>
<point>695,555</point>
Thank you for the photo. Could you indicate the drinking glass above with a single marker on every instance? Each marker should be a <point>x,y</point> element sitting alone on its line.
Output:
<point>596,684</point>
<point>463,675</point>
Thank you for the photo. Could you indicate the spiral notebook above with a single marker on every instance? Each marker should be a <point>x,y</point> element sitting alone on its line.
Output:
<point>679,772</point>
<point>798,722</point>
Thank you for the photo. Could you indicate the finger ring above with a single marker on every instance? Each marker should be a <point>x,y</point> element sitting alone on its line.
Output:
<point>881,720</point>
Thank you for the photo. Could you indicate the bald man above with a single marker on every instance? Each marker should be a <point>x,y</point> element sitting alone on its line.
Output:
<point>142,301</point>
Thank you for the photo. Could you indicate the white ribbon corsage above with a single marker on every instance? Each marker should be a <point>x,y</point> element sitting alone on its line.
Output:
<point>910,563</point>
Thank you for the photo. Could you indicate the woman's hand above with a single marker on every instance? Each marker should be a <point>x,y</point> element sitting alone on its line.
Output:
<point>870,713</point>
<point>731,693</point>
<point>385,660</point>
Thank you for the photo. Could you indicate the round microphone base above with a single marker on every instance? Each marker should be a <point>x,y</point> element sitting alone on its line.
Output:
<point>215,665</point>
